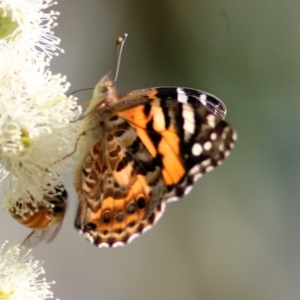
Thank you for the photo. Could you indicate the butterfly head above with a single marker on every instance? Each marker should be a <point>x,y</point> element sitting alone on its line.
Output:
<point>103,95</point>
<point>104,91</point>
<point>103,86</point>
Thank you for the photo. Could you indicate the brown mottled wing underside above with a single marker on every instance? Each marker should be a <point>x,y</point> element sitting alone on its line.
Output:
<point>122,190</point>
<point>153,154</point>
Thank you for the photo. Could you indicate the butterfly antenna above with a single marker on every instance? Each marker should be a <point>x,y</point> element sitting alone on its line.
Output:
<point>80,91</point>
<point>120,44</point>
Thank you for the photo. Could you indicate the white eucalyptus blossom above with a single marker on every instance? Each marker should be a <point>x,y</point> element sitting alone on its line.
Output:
<point>37,135</point>
<point>26,28</point>
<point>36,132</point>
<point>20,275</point>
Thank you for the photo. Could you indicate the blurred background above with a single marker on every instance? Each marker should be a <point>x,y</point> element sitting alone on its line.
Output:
<point>236,235</point>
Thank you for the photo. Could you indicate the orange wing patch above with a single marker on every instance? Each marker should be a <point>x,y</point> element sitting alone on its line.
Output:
<point>168,147</point>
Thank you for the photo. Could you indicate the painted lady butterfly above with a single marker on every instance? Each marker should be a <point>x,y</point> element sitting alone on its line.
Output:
<point>139,151</point>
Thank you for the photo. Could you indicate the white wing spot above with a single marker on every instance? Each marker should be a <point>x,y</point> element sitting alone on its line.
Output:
<point>194,170</point>
<point>146,229</point>
<point>206,163</point>
<point>133,237</point>
<point>117,244</point>
<point>88,236</point>
<point>172,199</point>
<point>103,245</point>
<point>188,189</point>
<point>234,136</point>
<point>181,96</point>
<point>211,121</point>
<point>225,133</point>
<point>189,120</point>
<point>158,216</point>
<point>197,149</point>
<point>197,176</point>
<point>163,207</point>
<point>210,168</point>
<point>207,146</point>
<point>203,99</point>
<point>221,147</point>
<point>213,136</point>
<point>226,153</point>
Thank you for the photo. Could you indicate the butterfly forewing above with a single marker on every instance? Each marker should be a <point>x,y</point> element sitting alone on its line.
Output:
<point>191,96</point>
<point>184,138</point>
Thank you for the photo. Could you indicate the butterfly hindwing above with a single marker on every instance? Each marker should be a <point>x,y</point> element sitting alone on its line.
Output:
<point>122,196</point>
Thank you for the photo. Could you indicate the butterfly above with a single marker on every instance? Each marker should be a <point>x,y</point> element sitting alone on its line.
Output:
<point>139,151</point>
<point>45,220</point>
